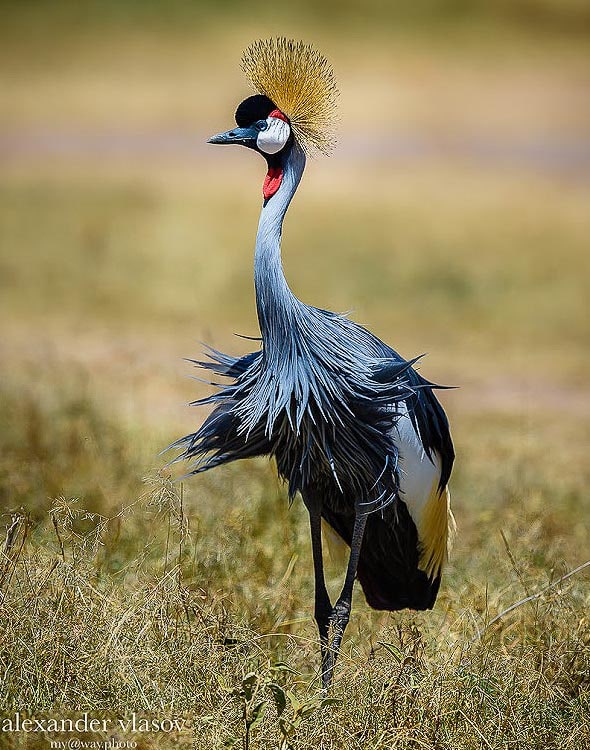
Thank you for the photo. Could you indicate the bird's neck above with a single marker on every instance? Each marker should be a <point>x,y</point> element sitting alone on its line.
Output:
<point>275,302</point>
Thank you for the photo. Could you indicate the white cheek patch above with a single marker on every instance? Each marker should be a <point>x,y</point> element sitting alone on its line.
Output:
<point>272,140</point>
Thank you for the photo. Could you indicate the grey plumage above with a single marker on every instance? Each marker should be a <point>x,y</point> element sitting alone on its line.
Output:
<point>323,396</point>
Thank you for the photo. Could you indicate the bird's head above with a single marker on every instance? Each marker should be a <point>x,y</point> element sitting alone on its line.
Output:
<point>295,104</point>
<point>264,128</point>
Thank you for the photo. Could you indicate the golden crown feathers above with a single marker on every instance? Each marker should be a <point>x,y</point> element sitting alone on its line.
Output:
<point>300,81</point>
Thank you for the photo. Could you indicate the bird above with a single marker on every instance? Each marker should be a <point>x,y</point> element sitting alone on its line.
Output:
<point>354,429</point>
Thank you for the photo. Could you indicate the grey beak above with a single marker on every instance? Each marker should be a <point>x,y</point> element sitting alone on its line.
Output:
<point>240,136</point>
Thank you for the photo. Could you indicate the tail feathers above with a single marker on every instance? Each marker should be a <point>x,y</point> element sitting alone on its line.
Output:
<point>388,565</point>
<point>416,591</point>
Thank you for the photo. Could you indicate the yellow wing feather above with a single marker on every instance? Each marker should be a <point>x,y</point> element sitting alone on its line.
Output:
<point>436,531</point>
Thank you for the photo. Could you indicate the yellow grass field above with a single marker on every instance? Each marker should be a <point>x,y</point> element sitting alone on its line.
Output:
<point>453,219</point>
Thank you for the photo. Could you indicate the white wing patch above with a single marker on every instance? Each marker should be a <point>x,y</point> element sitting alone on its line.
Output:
<point>417,471</point>
<point>272,140</point>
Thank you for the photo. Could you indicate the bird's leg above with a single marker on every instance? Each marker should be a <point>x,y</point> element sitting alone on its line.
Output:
<point>323,606</point>
<point>341,611</point>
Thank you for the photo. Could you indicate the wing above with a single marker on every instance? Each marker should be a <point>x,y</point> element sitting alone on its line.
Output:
<point>220,438</point>
<point>405,544</point>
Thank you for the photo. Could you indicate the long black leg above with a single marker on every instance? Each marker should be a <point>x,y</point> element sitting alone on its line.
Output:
<point>323,606</point>
<point>341,612</point>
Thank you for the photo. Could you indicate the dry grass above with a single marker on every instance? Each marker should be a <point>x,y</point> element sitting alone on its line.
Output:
<point>121,591</point>
<point>197,606</point>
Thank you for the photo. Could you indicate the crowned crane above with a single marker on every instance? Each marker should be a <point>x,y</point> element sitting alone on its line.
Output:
<point>351,424</point>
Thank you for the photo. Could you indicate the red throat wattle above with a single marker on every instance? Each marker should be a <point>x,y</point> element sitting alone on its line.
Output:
<point>272,182</point>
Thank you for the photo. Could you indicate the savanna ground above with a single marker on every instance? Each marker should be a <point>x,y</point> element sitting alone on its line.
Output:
<point>453,219</point>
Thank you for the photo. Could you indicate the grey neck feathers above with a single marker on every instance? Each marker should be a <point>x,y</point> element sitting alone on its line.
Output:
<point>276,304</point>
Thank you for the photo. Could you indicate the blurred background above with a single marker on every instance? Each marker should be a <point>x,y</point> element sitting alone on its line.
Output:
<point>452,219</point>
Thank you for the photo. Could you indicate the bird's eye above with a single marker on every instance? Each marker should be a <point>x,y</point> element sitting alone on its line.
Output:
<point>261,125</point>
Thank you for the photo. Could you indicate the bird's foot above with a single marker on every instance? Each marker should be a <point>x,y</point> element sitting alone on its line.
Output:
<point>332,639</point>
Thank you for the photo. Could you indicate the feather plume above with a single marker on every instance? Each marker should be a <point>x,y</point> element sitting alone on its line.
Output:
<point>300,81</point>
